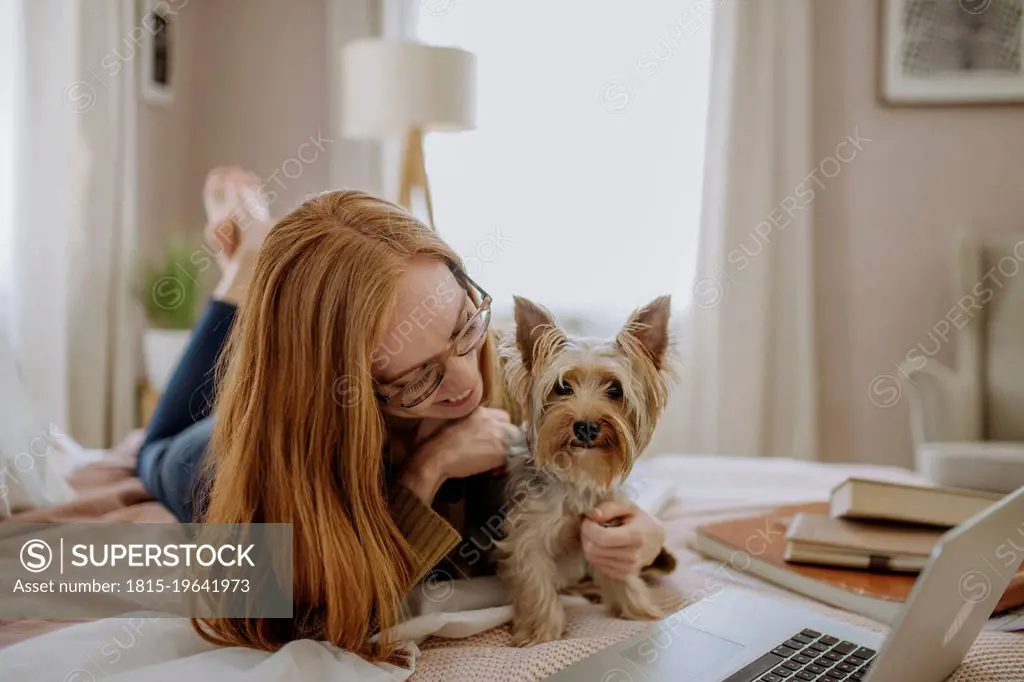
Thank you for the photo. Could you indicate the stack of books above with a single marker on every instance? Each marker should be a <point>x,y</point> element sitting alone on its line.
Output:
<point>861,551</point>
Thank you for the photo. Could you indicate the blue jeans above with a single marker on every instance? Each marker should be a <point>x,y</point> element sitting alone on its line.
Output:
<point>178,435</point>
<point>171,469</point>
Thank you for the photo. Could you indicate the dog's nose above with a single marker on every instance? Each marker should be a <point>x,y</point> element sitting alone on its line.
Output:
<point>586,431</point>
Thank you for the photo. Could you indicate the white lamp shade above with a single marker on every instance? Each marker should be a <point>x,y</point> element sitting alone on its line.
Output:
<point>392,86</point>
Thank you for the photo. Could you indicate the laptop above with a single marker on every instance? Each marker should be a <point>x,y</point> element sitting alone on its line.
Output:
<point>735,635</point>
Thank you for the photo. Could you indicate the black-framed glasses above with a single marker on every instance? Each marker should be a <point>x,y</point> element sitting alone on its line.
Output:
<point>415,386</point>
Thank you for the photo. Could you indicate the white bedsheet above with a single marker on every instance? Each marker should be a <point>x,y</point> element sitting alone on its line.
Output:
<point>168,649</point>
<point>147,648</point>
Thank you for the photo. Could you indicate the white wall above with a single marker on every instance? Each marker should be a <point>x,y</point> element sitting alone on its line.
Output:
<point>884,228</point>
<point>253,88</point>
<point>262,93</point>
<point>167,195</point>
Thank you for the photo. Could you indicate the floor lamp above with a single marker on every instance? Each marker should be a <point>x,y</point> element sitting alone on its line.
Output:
<point>404,89</point>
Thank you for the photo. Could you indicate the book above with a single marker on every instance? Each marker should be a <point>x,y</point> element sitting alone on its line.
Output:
<point>757,545</point>
<point>862,498</point>
<point>820,539</point>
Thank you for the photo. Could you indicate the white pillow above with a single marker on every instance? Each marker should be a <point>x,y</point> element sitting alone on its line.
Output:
<point>34,460</point>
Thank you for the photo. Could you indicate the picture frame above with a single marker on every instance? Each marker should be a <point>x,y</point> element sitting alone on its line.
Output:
<point>951,52</point>
<point>156,21</point>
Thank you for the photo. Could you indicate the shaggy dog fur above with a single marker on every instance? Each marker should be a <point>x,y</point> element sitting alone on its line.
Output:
<point>590,406</point>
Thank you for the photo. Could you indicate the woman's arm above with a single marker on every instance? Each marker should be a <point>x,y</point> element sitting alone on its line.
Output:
<point>427,532</point>
<point>411,499</point>
<point>471,446</point>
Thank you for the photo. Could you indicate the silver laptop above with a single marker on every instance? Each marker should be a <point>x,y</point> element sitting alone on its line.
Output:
<point>739,636</point>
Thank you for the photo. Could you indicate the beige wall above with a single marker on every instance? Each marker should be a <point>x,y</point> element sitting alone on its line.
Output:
<point>167,202</point>
<point>884,225</point>
<point>263,93</point>
<point>251,88</point>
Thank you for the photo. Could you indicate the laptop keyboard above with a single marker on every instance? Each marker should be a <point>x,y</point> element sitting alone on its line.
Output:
<point>809,656</point>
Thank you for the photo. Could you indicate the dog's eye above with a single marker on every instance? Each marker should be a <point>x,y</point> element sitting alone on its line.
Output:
<point>614,391</point>
<point>563,388</point>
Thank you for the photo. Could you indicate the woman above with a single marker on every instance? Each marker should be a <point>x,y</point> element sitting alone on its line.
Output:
<point>357,379</point>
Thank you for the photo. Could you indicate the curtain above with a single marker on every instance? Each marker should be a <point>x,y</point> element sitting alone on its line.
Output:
<point>10,19</point>
<point>748,371</point>
<point>67,190</point>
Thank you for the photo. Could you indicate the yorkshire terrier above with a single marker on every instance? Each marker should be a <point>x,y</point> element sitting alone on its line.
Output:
<point>590,406</point>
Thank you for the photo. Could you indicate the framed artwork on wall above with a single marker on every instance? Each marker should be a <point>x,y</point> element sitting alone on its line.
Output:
<point>943,52</point>
<point>157,74</point>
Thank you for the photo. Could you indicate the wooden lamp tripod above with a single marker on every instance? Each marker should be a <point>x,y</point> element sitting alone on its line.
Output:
<point>397,87</point>
<point>414,175</point>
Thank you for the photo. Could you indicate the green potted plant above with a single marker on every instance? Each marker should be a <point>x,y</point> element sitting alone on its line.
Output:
<point>169,291</point>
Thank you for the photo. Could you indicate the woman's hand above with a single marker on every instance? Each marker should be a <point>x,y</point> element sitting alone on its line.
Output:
<point>626,549</point>
<point>471,445</point>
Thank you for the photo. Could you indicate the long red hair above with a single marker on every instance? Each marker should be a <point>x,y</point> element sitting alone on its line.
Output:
<point>285,449</point>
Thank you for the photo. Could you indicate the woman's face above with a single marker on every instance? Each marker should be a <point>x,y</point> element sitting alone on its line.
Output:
<point>432,308</point>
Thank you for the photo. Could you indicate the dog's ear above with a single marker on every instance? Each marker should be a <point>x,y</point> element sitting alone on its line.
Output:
<point>649,326</point>
<point>532,323</point>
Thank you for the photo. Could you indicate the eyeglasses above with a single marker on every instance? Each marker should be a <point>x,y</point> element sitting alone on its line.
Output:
<point>415,386</point>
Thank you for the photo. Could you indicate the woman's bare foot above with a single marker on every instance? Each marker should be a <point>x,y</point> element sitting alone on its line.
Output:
<point>238,218</point>
<point>233,286</point>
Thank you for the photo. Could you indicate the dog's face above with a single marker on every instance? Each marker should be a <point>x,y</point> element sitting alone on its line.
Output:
<point>590,404</point>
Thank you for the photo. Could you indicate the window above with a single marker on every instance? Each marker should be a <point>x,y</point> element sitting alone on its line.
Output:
<point>581,186</point>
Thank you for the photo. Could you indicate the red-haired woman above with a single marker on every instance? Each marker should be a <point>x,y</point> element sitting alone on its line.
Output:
<point>357,377</point>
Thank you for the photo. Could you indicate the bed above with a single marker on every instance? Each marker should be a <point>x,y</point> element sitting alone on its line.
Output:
<point>709,488</point>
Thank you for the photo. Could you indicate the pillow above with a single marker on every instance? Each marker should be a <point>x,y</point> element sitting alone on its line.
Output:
<point>32,459</point>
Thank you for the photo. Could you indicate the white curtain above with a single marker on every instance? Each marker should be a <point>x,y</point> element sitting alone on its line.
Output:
<point>67,220</point>
<point>749,366</point>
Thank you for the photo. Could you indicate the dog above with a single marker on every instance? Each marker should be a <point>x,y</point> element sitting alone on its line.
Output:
<point>590,407</point>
